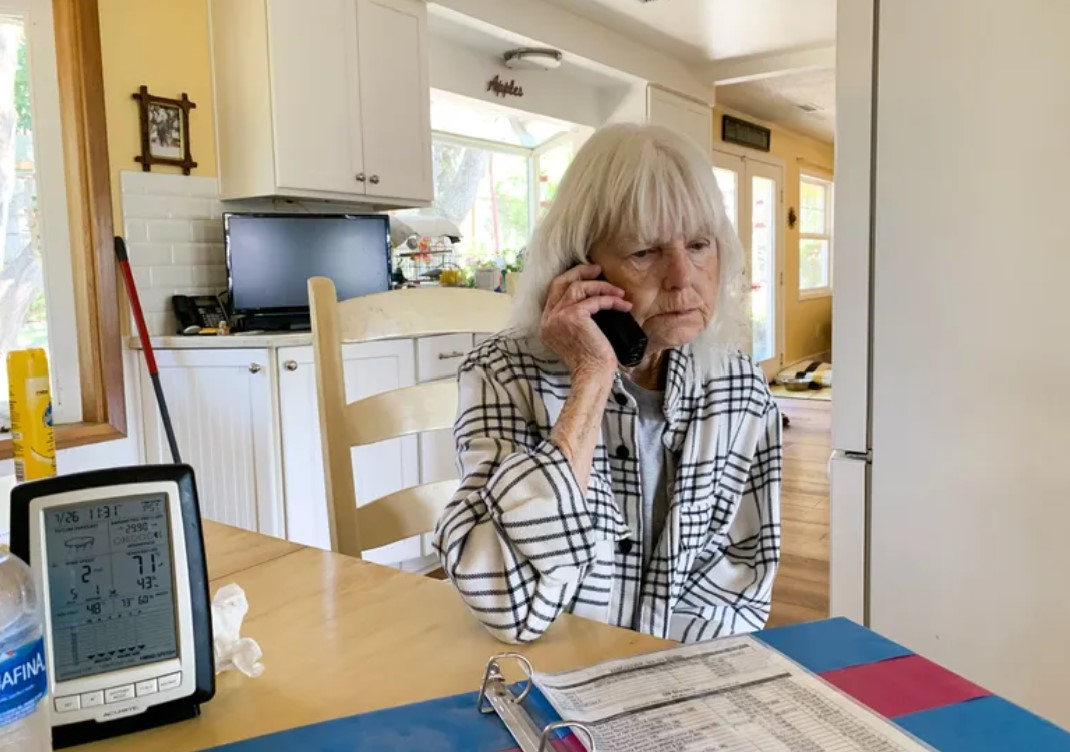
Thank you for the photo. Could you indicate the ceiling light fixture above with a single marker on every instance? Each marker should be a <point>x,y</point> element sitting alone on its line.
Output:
<point>533,58</point>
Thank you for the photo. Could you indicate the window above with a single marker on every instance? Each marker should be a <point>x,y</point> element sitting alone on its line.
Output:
<point>496,170</point>
<point>36,289</point>
<point>57,269</point>
<point>815,237</point>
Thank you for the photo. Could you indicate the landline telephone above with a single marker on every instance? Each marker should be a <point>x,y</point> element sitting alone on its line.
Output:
<point>198,314</point>
<point>624,334</point>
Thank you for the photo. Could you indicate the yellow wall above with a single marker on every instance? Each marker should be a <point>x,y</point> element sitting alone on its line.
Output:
<point>807,323</point>
<point>164,45</point>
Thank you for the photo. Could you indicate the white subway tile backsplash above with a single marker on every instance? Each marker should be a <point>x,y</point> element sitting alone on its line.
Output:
<point>190,208</point>
<point>142,206</point>
<point>149,254</point>
<point>169,230</point>
<point>136,230</point>
<point>210,230</point>
<point>155,299</point>
<point>200,253</point>
<point>174,234</point>
<point>135,182</point>
<point>211,276</point>
<point>203,187</point>
<point>172,276</point>
<point>161,322</point>
<point>168,184</point>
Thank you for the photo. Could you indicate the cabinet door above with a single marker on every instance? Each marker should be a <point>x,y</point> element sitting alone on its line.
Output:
<point>220,406</point>
<point>316,95</point>
<point>395,98</point>
<point>378,469</point>
<point>692,119</point>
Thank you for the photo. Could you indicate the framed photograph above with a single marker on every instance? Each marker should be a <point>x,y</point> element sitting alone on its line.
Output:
<point>164,131</point>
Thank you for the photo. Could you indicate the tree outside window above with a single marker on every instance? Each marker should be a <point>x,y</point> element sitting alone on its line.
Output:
<point>23,320</point>
<point>496,170</point>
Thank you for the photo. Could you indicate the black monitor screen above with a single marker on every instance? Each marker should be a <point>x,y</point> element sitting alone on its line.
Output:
<point>270,257</point>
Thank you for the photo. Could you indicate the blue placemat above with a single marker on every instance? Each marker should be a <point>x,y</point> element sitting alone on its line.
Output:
<point>987,724</point>
<point>831,644</point>
<point>447,724</point>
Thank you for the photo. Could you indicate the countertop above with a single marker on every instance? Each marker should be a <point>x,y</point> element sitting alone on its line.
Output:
<point>225,342</point>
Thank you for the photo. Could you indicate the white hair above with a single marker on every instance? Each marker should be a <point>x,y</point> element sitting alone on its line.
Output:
<point>645,183</point>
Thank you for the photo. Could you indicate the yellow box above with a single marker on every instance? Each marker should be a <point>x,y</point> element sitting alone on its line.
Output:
<point>32,437</point>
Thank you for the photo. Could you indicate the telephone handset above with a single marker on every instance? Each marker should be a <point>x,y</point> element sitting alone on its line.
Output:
<point>198,314</point>
<point>624,334</point>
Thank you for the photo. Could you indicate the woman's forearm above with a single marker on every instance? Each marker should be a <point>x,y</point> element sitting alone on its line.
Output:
<point>576,430</point>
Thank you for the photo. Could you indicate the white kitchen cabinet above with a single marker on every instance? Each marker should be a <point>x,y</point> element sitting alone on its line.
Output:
<point>395,97</point>
<point>692,118</point>
<point>246,416</point>
<point>323,100</point>
<point>379,469</point>
<point>220,406</point>
<point>439,358</point>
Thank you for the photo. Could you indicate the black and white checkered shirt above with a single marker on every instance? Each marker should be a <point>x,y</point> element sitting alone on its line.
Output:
<point>522,542</point>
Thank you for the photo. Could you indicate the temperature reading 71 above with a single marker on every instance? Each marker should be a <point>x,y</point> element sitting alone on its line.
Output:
<point>147,563</point>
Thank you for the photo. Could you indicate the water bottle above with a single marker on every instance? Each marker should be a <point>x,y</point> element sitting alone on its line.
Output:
<point>24,716</point>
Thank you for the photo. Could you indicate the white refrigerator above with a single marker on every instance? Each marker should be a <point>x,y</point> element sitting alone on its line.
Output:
<point>950,502</point>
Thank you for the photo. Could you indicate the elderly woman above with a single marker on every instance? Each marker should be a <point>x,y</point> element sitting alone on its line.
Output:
<point>646,497</point>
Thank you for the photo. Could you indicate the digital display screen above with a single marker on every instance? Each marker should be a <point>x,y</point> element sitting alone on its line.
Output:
<point>111,591</point>
<point>271,258</point>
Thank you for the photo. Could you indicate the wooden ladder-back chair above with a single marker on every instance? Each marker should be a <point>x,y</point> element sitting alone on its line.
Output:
<point>401,412</point>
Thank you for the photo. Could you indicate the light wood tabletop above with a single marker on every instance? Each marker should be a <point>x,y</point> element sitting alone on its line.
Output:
<point>342,636</point>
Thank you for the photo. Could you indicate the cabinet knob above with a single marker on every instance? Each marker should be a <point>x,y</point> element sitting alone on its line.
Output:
<point>254,368</point>
<point>360,178</point>
<point>374,179</point>
<point>290,365</point>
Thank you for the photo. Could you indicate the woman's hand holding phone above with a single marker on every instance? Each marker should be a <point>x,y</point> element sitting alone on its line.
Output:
<point>568,326</point>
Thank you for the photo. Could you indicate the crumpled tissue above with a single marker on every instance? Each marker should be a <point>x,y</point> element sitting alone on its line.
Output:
<point>232,651</point>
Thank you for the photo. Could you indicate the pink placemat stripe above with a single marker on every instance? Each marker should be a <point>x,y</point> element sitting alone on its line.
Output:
<point>904,685</point>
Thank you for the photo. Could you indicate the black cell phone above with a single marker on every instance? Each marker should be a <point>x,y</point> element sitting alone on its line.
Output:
<point>624,334</point>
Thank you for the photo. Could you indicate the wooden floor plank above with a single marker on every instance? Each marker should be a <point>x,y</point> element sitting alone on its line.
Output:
<point>800,592</point>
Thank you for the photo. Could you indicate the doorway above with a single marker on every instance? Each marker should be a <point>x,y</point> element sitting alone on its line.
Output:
<point>753,191</point>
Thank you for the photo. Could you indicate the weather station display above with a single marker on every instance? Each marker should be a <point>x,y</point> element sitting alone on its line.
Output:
<point>111,590</point>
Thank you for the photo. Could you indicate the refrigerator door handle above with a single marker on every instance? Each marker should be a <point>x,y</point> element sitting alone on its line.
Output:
<point>851,454</point>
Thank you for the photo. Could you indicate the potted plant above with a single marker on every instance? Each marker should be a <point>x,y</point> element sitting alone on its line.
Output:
<point>513,270</point>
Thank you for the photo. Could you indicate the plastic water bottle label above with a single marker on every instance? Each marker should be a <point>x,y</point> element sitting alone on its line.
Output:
<point>23,681</point>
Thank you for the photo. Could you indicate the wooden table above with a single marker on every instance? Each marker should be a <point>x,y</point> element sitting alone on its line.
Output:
<point>342,636</point>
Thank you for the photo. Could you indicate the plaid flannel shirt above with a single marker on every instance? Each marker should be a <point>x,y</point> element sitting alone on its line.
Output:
<point>522,542</point>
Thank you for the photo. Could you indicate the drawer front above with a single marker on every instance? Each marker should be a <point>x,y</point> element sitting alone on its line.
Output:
<point>439,357</point>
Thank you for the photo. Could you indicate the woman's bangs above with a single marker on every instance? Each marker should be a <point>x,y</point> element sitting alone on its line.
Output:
<point>665,200</point>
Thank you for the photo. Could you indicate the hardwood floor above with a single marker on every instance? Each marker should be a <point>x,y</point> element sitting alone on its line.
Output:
<point>801,590</point>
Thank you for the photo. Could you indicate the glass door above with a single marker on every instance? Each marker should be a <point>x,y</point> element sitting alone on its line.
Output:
<point>752,194</point>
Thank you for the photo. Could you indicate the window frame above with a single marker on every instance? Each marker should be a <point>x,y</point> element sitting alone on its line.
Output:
<point>89,211</point>
<point>825,180</point>
<point>532,154</point>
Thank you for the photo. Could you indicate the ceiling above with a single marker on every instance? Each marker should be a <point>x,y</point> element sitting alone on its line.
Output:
<point>702,32</point>
<point>778,100</point>
<point>446,24</point>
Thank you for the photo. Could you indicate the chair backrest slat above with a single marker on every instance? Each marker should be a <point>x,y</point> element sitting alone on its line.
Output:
<point>424,407</point>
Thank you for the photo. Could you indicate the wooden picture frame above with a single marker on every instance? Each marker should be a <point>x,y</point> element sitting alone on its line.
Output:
<point>164,131</point>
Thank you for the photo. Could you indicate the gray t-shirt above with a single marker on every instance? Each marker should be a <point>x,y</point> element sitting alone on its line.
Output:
<point>655,465</point>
